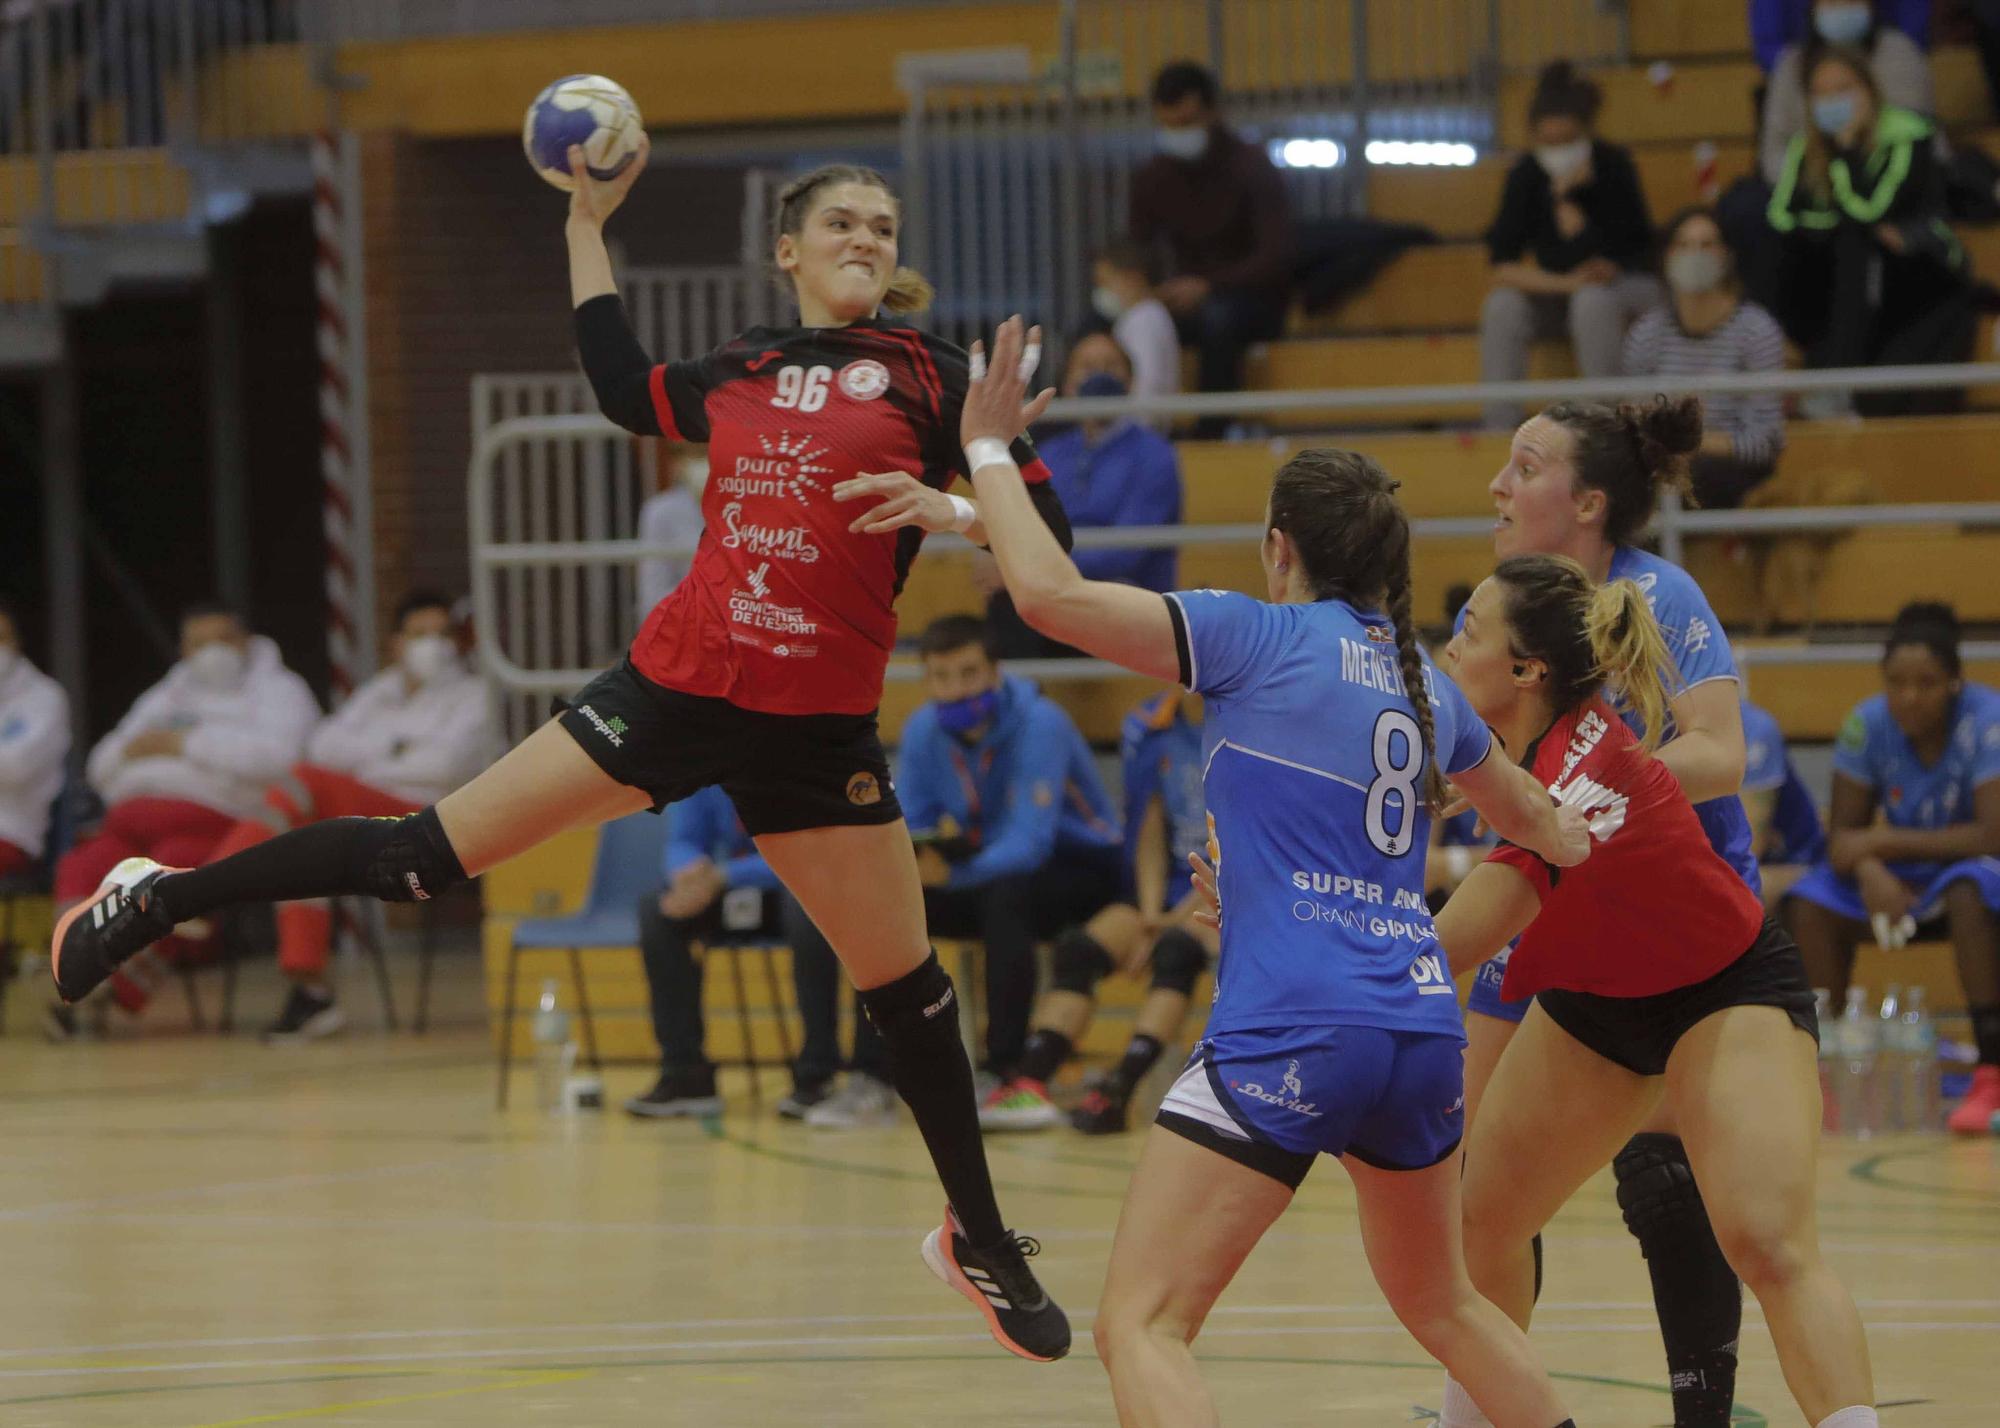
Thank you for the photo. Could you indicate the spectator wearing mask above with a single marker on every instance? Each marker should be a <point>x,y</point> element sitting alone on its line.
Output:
<point>671,516</point>
<point>1707,326</point>
<point>717,887</point>
<point>1122,294</point>
<point>409,736</point>
<point>1873,275</point>
<point>190,759</point>
<point>1777,24</point>
<point>1016,839</point>
<point>34,742</point>
<point>1569,244</point>
<point>1214,202</point>
<point>1902,72</point>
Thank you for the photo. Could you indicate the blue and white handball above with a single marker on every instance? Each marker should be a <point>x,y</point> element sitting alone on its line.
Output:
<point>585,109</point>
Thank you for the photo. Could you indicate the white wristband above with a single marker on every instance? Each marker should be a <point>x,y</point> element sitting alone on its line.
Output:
<point>986,451</point>
<point>963,513</point>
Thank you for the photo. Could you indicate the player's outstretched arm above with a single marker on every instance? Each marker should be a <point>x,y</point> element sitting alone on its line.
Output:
<point>592,201</point>
<point>1517,807</point>
<point>1120,623</point>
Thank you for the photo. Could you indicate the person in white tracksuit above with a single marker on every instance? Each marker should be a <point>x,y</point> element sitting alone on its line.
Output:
<point>34,741</point>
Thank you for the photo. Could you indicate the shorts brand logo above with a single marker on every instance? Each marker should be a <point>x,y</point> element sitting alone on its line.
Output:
<point>864,789</point>
<point>612,728</point>
<point>1291,1098</point>
<point>939,1005</point>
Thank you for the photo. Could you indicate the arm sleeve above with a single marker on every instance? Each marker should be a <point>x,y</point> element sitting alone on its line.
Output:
<point>1507,237</point>
<point>1853,751</point>
<point>1025,836</point>
<point>1269,263</point>
<point>1761,436</point>
<point>664,400</point>
<point>1228,642</point>
<point>34,737</point>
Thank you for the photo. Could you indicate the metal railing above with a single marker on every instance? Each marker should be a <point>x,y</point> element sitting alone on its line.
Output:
<point>342,21</point>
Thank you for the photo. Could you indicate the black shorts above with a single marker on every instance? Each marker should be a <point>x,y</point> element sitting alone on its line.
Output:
<point>784,772</point>
<point>1639,1033</point>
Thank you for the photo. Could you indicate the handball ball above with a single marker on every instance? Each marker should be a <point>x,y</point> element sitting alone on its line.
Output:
<point>585,109</point>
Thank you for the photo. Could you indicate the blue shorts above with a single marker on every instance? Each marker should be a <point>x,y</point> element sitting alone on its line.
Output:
<point>1826,888</point>
<point>1274,1099</point>
<point>1485,997</point>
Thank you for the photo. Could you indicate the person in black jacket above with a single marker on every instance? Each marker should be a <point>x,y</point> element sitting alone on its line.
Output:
<point>1569,245</point>
<point>1873,275</point>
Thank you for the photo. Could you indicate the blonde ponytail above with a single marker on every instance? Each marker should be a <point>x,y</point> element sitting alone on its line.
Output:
<point>909,291</point>
<point>1631,652</point>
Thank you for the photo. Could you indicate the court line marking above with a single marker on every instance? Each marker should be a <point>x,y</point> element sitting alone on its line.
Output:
<point>1869,1172</point>
<point>325,1410</point>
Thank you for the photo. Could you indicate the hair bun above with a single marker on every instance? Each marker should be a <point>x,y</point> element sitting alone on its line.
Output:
<point>1667,430</point>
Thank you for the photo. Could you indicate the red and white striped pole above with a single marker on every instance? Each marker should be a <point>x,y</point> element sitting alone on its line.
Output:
<point>335,413</point>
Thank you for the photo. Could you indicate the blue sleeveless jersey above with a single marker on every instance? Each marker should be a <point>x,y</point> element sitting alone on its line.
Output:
<point>1314,768</point>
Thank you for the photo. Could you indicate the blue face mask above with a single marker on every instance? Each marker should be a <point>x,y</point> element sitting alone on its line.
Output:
<point>1101,384</point>
<point>1844,24</point>
<point>962,716</point>
<point>1832,113</point>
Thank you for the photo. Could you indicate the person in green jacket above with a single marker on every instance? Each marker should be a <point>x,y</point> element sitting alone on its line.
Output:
<point>1873,274</point>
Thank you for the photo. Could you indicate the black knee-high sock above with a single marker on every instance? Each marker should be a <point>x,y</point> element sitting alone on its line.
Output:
<point>1696,1294</point>
<point>1140,1055</point>
<point>1986,1033</point>
<point>917,1015</point>
<point>1045,1053</point>
<point>396,859</point>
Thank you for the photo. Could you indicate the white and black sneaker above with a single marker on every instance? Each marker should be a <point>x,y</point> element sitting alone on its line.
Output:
<point>996,1278</point>
<point>677,1093</point>
<point>308,1015</point>
<point>798,1102</point>
<point>116,923</point>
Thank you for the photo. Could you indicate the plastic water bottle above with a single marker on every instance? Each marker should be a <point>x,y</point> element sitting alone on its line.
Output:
<point>1923,1106</point>
<point>1889,1060</point>
<point>1857,1093</point>
<point>554,1052</point>
<point>1829,1061</point>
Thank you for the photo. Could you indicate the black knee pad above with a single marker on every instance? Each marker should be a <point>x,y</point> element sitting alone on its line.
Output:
<point>1656,1189</point>
<point>1080,963</point>
<point>917,1015</point>
<point>1178,961</point>
<point>406,859</point>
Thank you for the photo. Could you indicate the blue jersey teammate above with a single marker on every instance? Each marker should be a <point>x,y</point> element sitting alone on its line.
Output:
<point>1334,1028</point>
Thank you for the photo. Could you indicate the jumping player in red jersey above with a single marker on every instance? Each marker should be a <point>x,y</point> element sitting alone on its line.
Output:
<point>761,673</point>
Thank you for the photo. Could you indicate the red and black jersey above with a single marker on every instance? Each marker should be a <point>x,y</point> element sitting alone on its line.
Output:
<point>784,610</point>
<point>1654,907</point>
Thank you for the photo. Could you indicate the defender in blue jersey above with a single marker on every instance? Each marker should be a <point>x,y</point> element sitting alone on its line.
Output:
<point>1582,479</point>
<point>1334,1027</point>
<point>1924,755</point>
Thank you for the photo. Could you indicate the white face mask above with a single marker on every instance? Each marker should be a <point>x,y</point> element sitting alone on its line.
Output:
<point>1107,304</point>
<point>216,666</point>
<point>425,657</point>
<point>1187,143</point>
<point>1561,161</point>
<point>1699,270</point>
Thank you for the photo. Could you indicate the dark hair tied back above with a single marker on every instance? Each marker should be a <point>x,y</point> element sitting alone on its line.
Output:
<point>1630,452</point>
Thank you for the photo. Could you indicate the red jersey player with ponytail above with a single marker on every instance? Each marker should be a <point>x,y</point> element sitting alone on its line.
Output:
<point>761,673</point>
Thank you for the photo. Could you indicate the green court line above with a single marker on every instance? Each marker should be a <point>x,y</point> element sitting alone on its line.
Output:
<point>1869,1172</point>
<point>79,1395</point>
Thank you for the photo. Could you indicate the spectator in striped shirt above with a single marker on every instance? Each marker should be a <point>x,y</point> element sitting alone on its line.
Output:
<point>1707,325</point>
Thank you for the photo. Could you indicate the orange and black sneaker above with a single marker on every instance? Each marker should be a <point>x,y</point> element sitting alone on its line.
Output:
<point>1099,1114</point>
<point>996,1278</point>
<point>114,924</point>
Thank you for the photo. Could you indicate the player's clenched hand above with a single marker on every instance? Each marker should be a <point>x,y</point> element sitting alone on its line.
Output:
<point>592,200</point>
<point>1572,837</point>
<point>995,405</point>
<point>902,500</point>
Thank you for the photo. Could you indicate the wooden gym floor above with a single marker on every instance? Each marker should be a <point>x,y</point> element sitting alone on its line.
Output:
<point>201,1233</point>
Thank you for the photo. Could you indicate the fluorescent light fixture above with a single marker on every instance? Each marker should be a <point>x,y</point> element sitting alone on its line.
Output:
<point>1421,153</point>
<point>1308,153</point>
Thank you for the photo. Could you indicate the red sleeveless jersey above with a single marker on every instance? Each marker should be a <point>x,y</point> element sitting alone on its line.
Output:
<point>1653,907</point>
<point>784,610</point>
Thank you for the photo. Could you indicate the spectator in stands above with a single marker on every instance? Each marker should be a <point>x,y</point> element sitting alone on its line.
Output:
<point>1108,472</point>
<point>1913,842</point>
<point>1569,244</point>
<point>717,886</point>
<point>416,731</point>
<point>1785,831</point>
<point>1122,293</point>
<point>1218,207</point>
<point>1873,275</point>
<point>1016,837</point>
<point>671,516</point>
<point>1166,819</point>
<point>34,742</point>
<point>1707,326</point>
<point>1776,25</point>
<point>1902,72</point>
<point>185,764</point>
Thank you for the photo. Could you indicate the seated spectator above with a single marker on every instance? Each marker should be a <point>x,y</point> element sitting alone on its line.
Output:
<point>1140,323</point>
<point>1219,208</point>
<point>1785,831</point>
<point>1778,24</point>
<point>1902,72</point>
<point>1166,819</point>
<point>34,743</point>
<point>1707,326</point>
<point>671,516</point>
<point>1569,244</point>
<point>1015,837</point>
<point>717,887</point>
<point>1913,836</point>
<point>189,761</point>
<point>1872,274</point>
<point>408,737</point>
